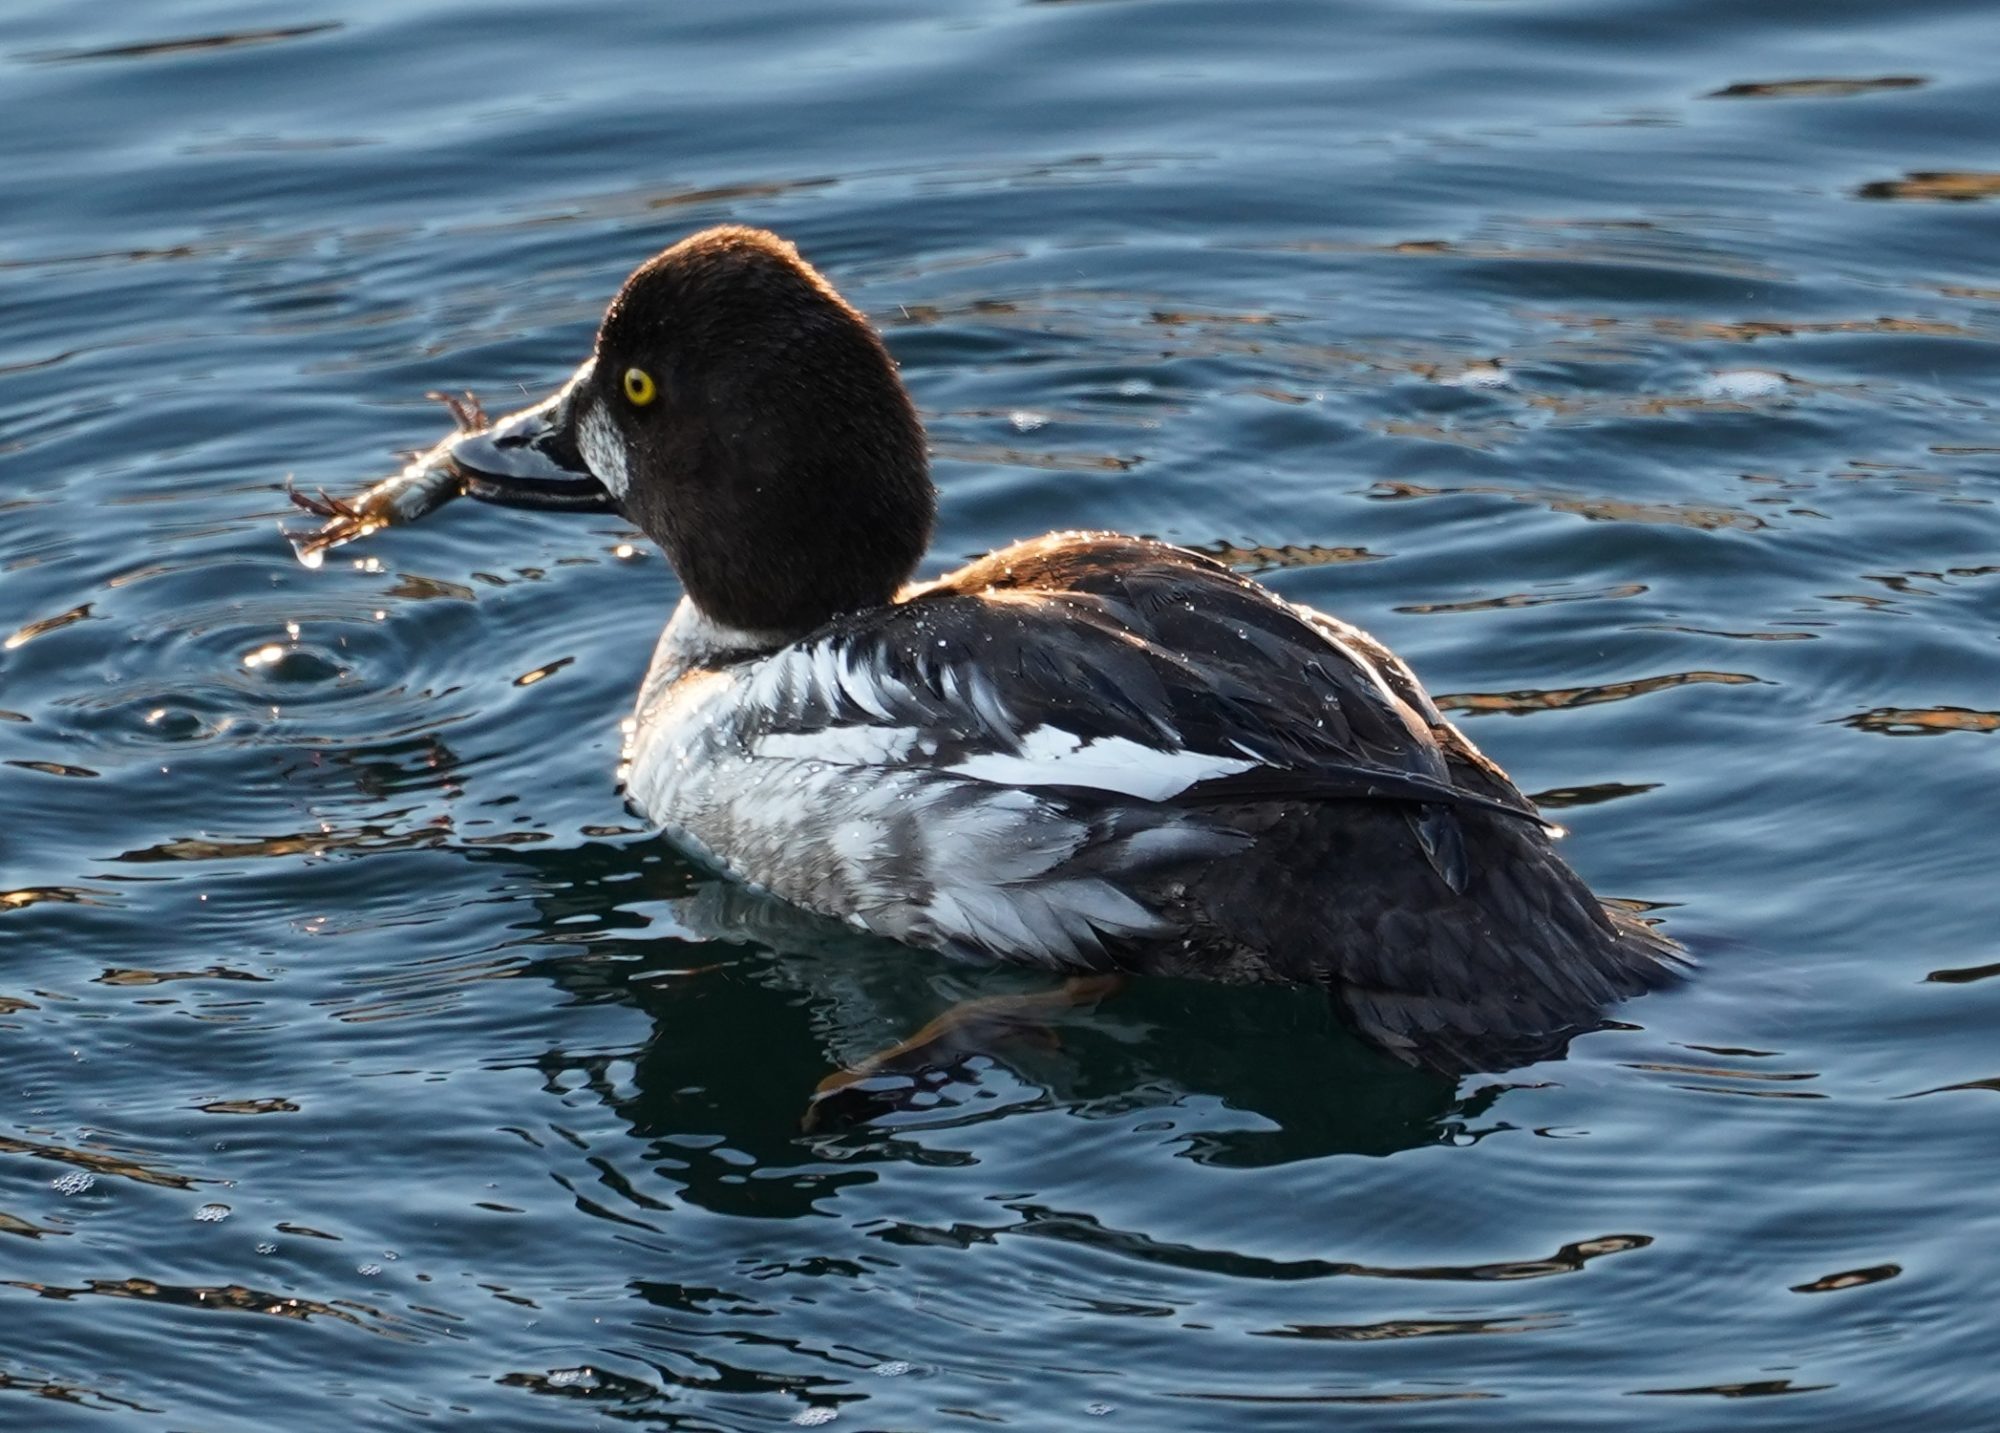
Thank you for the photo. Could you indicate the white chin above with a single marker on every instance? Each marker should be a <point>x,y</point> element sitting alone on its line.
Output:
<point>597,438</point>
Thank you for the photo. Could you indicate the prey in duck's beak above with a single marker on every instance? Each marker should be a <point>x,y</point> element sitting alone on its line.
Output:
<point>528,459</point>
<point>531,458</point>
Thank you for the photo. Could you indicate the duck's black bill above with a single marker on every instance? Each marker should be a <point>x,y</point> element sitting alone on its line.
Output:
<point>530,459</point>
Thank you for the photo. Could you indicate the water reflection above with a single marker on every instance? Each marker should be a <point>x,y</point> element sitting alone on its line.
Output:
<point>1524,599</point>
<point>1848,1279</point>
<point>97,1161</point>
<point>78,1395</point>
<point>1923,721</point>
<point>1965,975</point>
<point>28,633</point>
<point>152,49</point>
<point>1086,1231</point>
<point>234,1298</point>
<point>710,962</point>
<point>1701,517</point>
<point>1958,186</point>
<point>1415,1328</point>
<point>1827,88</point>
<point>1755,1388</point>
<point>1558,797</point>
<point>1520,703</point>
<point>1271,557</point>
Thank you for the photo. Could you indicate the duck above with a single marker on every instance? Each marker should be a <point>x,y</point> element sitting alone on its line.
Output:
<point>1087,753</point>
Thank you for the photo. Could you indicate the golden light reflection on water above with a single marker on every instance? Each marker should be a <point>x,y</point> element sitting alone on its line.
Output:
<point>265,1105</point>
<point>100,1162</point>
<point>1530,699</point>
<point>133,976</point>
<point>542,673</point>
<point>1956,186</point>
<point>54,768</point>
<point>68,895</point>
<point>304,843</point>
<point>1699,330</point>
<point>1849,1279</point>
<point>27,634</point>
<point>231,1298</point>
<point>25,1228</point>
<point>1701,518</point>
<point>1524,599</point>
<point>69,1392</point>
<point>1923,721</point>
<point>413,588</point>
<point>1270,557</point>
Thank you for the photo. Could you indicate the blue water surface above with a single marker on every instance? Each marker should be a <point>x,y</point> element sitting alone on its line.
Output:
<point>1630,367</point>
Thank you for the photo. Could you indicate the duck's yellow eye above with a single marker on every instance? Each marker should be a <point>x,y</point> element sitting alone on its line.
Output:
<point>639,387</point>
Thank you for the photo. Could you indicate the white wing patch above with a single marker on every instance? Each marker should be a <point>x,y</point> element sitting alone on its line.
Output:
<point>1050,756</point>
<point>857,816</point>
<point>842,745</point>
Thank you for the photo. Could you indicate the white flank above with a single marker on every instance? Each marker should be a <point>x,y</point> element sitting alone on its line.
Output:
<point>1051,756</point>
<point>857,819</point>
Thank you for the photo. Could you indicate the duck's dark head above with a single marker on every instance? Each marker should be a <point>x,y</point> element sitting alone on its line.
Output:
<point>750,421</point>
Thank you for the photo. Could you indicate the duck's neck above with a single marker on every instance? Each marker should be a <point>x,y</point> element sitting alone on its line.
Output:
<point>694,647</point>
<point>694,640</point>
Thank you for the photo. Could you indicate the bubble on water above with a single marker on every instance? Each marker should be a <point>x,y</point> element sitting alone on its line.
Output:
<point>893,1368</point>
<point>1478,375</point>
<point>75,1182</point>
<point>1742,384</point>
<point>212,1213</point>
<point>368,1270</point>
<point>815,1417</point>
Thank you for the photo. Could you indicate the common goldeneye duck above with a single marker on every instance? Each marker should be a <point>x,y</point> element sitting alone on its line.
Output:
<point>1085,752</point>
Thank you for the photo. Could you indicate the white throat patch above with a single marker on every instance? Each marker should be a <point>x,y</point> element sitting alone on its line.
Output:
<point>693,639</point>
<point>597,438</point>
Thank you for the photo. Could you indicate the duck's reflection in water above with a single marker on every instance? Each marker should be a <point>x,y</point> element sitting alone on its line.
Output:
<point>754,1004</point>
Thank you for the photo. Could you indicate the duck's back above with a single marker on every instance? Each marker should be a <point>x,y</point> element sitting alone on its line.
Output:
<point>1092,752</point>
